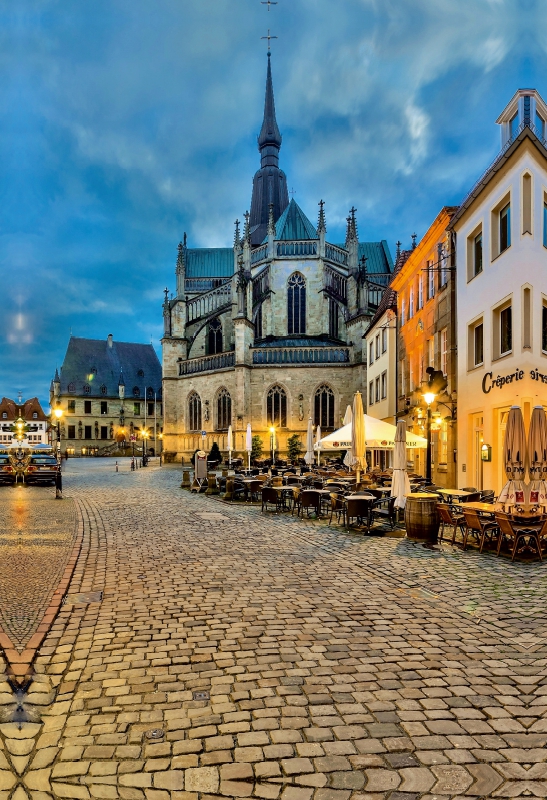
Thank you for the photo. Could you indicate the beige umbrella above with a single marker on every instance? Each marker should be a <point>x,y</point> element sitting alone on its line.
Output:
<point>249,443</point>
<point>400,483</point>
<point>308,458</point>
<point>230,444</point>
<point>537,457</point>
<point>318,444</point>
<point>348,416</point>
<point>358,439</point>
<point>514,457</point>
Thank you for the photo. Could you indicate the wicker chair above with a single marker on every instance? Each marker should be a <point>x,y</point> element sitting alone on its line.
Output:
<point>309,500</point>
<point>384,508</point>
<point>514,536</point>
<point>479,528</point>
<point>488,496</point>
<point>358,508</point>
<point>271,497</point>
<point>451,518</point>
<point>338,507</point>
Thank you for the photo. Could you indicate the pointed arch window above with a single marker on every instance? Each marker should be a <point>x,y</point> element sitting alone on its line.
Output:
<point>324,407</point>
<point>296,303</point>
<point>214,337</point>
<point>224,409</point>
<point>194,412</point>
<point>258,323</point>
<point>276,406</point>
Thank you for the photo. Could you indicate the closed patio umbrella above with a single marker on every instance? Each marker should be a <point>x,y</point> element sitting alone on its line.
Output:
<point>348,416</point>
<point>358,440</point>
<point>514,458</point>
<point>249,443</point>
<point>400,484</point>
<point>318,444</point>
<point>230,444</point>
<point>537,457</point>
<point>308,458</point>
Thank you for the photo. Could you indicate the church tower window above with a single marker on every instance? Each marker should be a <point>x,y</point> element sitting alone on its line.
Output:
<point>214,337</point>
<point>324,407</point>
<point>276,407</point>
<point>224,410</point>
<point>333,318</point>
<point>258,323</point>
<point>194,412</point>
<point>296,304</point>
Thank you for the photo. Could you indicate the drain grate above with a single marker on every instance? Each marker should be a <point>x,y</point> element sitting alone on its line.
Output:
<point>154,733</point>
<point>201,695</point>
<point>82,598</point>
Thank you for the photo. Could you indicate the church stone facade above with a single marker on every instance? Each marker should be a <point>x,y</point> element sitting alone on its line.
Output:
<point>270,330</point>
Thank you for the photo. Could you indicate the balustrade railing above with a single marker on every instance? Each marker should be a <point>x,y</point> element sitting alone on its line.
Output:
<point>207,363</point>
<point>301,355</point>
<point>336,254</point>
<point>336,285</point>
<point>259,254</point>
<point>208,303</point>
<point>288,249</point>
<point>201,285</point>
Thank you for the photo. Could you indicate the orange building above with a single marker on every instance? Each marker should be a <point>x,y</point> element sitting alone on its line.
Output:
<point>424,280</point>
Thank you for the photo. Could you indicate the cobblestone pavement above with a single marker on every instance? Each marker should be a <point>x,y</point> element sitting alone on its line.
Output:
<point>235,654</point>
<point>36,537</point>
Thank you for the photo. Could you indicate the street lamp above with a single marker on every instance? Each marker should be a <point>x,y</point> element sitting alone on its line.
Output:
<point>429,397</point>
<point>144,434</point>
<point>58,414</point>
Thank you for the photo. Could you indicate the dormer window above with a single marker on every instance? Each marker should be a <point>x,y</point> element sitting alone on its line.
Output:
<point>34,415</point>
<point>4,414</point>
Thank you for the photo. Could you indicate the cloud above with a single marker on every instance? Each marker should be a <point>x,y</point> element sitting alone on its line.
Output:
<point>124,124</point>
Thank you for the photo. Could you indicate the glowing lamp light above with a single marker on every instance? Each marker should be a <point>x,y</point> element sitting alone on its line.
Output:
<point>58,413</point>
<point>429,397</point>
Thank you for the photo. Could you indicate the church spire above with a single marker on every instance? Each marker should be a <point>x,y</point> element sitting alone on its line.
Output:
<point>269,138</point>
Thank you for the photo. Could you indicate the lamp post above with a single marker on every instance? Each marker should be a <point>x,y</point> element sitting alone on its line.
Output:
<point>58,414</point>
<point>429,397</point>
<point>144,434</point>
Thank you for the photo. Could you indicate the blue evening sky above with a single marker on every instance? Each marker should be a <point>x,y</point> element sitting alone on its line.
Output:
<point>124,123</point>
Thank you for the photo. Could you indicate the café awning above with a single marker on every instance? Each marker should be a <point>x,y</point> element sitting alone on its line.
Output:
<point>379,435</point>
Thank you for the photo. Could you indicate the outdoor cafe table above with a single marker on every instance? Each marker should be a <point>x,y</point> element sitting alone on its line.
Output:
<point>482,508</point>
<point>283,490</point>
<point>450,494</point>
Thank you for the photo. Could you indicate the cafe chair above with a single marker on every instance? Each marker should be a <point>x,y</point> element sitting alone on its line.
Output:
<point>514,536</point>
<point>474,497</point>
<point>253,489</point>
<point>480,529</point>
<point>384,508</point>
<point>358,508</point>
<point>451,518</point>
<point>488,496</point>
<point>271,497</point>
<point>469,489</point>
<point>338,507</point>
<point>309,501</point>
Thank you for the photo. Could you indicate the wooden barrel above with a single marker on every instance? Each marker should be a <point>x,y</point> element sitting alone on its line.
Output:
<point>421,517</point>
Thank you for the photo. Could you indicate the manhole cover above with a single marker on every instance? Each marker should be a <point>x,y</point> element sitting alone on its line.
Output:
<point>82,598</point>
<point>201,695</point>
<point>154,733</point>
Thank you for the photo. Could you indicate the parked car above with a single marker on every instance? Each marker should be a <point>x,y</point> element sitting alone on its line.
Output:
<point>41,469</point>
<point>7,470</point>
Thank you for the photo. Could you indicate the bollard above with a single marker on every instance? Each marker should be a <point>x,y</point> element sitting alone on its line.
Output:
<point>58,485</point>
<point>185,479</point>
<point>229,493</point>
<point>117,467</point>
<point>212,487</point>
<point>132,464</point>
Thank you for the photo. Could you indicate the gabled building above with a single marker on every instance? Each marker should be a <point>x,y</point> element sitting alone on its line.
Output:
<point>31,412</point>
<point>269,331</point>
<point>109,392</point>
<point>500,231</point>
<point>425,283</point>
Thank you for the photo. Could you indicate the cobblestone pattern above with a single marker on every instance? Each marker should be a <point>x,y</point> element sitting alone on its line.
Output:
<point>36,539</point>
<point>338,667</point>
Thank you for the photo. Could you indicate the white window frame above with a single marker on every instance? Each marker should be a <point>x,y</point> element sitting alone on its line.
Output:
<point>444,350</point>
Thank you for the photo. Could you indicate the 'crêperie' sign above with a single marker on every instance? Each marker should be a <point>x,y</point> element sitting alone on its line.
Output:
<point>489,382</point>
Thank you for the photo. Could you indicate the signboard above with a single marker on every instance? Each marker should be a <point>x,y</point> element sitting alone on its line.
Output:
<point>204,434</point>
<point>201,465</point>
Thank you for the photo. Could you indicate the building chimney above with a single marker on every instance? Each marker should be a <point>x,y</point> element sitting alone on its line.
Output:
<point>109,340</point>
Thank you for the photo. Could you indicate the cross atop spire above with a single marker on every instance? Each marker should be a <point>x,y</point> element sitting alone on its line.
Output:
<point>321,223</point>
<point>269,3</point>
<point>269,38</point>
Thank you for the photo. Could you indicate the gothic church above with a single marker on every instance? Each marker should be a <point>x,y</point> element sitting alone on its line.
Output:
<point>269,331</point>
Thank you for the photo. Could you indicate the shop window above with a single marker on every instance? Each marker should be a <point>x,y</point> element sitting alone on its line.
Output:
<point>276,407</point>
<point>296,304</point>
<point>194,412</point>
<point>324,407</point>
<point>87,406</point>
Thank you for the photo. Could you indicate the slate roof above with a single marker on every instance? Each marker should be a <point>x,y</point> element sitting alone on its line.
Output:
<point>209,262</point>
<point>94,363</point>
<point>293,225</point>
<point>28,408</point>
<point>389,300</point>
<point>378,258</point>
